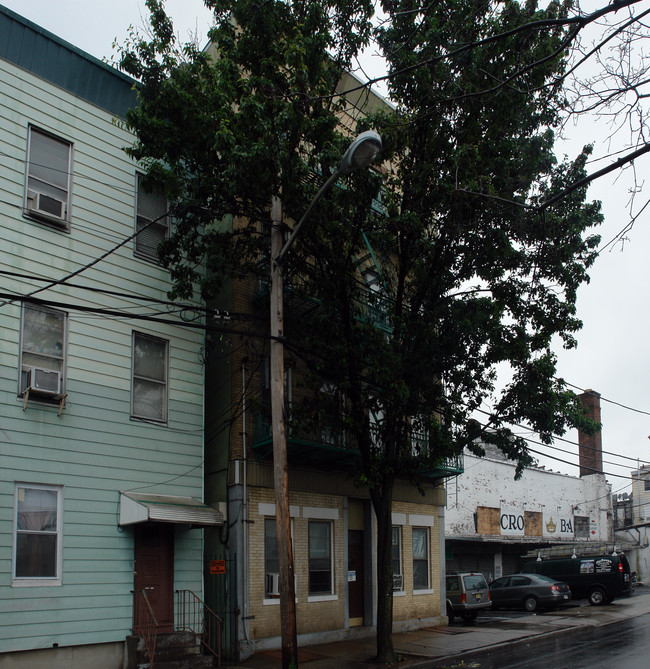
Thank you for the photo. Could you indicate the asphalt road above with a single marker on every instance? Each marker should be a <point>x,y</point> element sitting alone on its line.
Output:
<point>624,645</point>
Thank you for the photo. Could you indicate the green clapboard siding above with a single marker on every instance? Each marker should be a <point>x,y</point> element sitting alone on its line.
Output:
<point>93,450</point>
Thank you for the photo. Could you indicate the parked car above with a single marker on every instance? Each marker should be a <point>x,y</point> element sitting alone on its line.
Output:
<point>467,594</point>
<point>528,591</point>
<point>598,578</point>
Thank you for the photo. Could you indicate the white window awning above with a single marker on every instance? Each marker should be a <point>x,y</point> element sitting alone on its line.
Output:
<point>143,508</point>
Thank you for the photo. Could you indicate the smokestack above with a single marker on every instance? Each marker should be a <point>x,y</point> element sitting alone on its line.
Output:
<point>590,446</point>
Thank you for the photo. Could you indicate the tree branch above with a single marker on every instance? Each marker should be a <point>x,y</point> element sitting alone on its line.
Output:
<point>624,160</point>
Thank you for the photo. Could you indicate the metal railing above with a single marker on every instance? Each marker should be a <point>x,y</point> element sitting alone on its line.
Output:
<point>145,624</point>
<point>330,434</point>
<point>327,432</point>
<point>192,615</point>
<point>373,308</point>
<point>368,306</point>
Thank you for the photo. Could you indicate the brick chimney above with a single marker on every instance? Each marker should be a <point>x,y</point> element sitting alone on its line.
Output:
<point>590,446</point>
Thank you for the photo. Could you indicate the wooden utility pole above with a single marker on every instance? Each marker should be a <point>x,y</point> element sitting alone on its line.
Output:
<point>361,153</point>
<point>279,431</point>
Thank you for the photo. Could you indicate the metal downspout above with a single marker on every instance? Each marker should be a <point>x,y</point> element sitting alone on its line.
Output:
<point>246,593</point>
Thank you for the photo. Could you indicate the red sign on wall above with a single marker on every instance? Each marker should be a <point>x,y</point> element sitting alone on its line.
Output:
<point>217,566</point>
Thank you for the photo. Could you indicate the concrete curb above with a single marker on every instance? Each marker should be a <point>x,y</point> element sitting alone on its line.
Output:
<point>477,652</point>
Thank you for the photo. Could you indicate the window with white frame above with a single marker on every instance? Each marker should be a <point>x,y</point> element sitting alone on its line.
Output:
<point>37,533</point>
<point>271,559</point>
<point>150,370</point>
<point>48,177</point>
<point>420,552</point>
<point>43,351</point>
<point>396,556</point>
<point>152,224</point>
<point>320,558</point>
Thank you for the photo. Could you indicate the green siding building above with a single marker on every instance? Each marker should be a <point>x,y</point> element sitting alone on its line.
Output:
<point>101,380</point>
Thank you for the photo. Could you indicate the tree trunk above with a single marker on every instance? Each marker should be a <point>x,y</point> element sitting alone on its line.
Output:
<point>382,501</point>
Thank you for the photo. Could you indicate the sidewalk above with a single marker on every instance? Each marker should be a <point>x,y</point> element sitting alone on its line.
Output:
<point>422,646</point>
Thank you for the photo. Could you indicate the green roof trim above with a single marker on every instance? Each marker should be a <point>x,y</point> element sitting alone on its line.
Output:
<point>47,56</point>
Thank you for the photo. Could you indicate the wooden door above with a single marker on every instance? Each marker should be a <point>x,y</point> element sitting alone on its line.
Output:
<point>355,577</point>
<point>154,570</point>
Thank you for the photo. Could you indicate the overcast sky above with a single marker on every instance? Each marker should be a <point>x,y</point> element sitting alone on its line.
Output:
<point>612,357</point>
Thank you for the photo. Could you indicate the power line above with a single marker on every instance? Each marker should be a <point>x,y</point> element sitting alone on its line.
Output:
<point>83,176</point>
<point>568,441</point>
<point>567,462</point>
<point>57,282</point>
<point>131,296</point>
<point>562,450</point>
<point>604,399</point>
<point>573,464</point>
<point>128,316</point>
<point>582,466</point>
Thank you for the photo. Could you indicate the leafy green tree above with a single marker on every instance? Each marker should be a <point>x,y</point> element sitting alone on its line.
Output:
<point>472,273</point>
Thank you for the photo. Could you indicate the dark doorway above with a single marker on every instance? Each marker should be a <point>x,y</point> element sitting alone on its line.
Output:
<point>355,577</point>
<point>154,570</point>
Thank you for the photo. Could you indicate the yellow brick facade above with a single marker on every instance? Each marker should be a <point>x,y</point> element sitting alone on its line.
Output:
<point>410,604</point>
<point>313,614</point>
<point>319,494</point>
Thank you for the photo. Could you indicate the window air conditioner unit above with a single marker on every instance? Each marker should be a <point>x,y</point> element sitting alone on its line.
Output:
<point>398,580</point>
<point>48,207</point>
<point>42,381</point>
<point>273,584</point>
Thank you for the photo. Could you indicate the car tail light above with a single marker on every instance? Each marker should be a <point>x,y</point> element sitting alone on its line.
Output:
<point>463,598</point>
<point>620,566</point>
<point>555,588</point>
<point>489,596</point>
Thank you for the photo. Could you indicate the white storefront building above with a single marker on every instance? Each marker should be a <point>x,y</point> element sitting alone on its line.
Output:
<point>493,520</point>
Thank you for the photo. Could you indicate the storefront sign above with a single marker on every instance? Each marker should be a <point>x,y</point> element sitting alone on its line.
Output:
<point>512,521</point>
<point>558,526</point>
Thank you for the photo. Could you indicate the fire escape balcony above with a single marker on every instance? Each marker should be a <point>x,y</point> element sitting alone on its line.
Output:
<point>321,447</point>
<point>330,448</point>
<point>368,306</point>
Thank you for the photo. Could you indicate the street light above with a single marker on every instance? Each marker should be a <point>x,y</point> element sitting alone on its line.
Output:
<point>360,154</point>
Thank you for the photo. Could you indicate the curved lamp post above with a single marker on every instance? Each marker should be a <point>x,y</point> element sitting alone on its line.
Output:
<point>360,154</point>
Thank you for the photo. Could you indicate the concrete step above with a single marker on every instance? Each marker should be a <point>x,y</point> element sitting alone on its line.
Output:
<point>194,662</point>
<point>176,645</point>
<point>174,650</point>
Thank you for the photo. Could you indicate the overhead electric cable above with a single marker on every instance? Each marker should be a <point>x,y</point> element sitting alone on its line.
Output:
<point>604,399</point>
<point>129,316</point>
<point>566,462</point>
<point>58,282</point>
<point>568,441</point>
<point>133,296</point>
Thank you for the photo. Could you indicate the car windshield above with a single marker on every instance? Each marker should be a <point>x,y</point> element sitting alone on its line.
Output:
<point>474,581</point>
